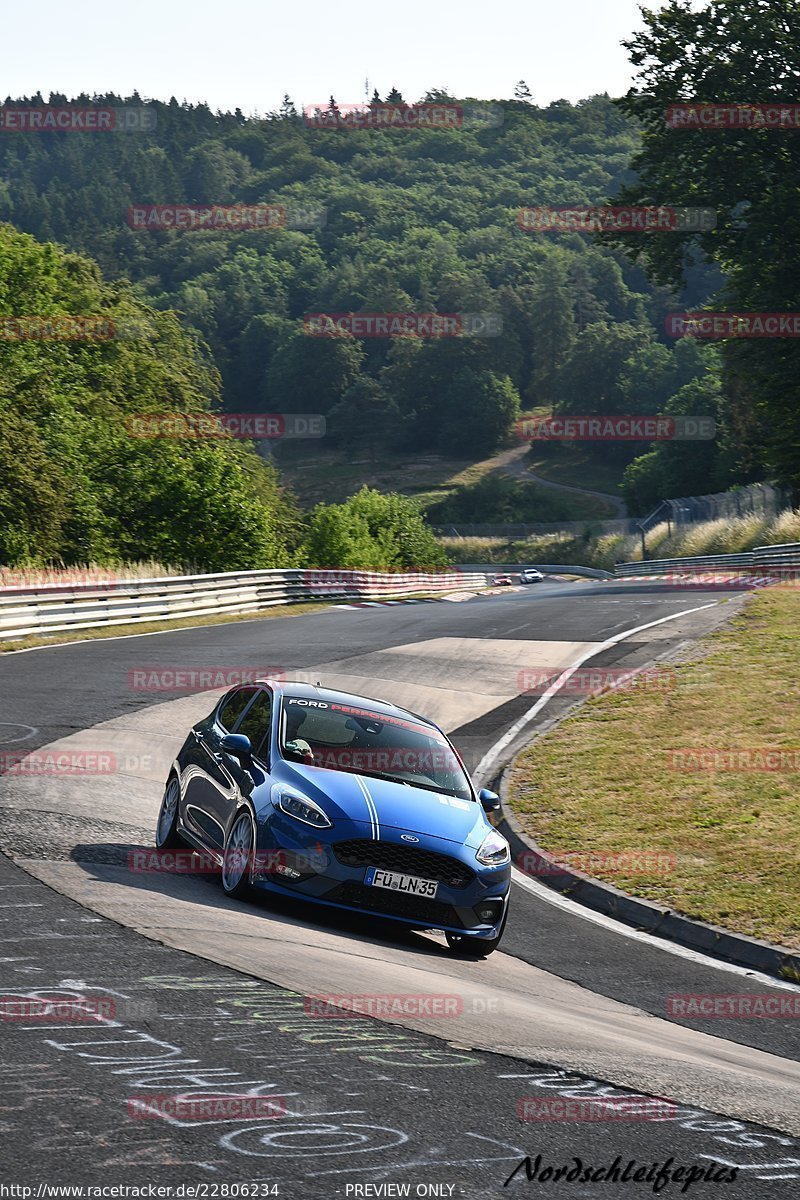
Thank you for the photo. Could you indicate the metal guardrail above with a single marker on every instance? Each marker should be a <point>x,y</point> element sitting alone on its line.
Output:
<point>492,569</point>
<point>56,608</point>
<point>785,554</point>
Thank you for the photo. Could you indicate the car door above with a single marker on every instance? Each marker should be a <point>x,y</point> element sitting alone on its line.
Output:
<point>209,778</point>
<point>255,723</point>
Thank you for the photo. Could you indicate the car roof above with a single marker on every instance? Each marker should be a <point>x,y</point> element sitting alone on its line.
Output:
<point>309,691</point>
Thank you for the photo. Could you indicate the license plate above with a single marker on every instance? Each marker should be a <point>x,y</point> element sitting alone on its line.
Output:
<point>412,885</point>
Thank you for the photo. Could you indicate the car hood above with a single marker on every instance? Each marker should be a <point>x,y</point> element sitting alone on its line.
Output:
<point>363,799</point>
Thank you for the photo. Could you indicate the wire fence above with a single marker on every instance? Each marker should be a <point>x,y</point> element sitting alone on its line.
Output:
<point>756,499</point>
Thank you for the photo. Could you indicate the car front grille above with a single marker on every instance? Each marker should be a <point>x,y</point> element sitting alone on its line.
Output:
<point>395,856</point>
<point>429,913</point>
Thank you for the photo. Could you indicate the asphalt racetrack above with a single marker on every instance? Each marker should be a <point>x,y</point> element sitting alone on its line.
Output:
<point>571,1005</point>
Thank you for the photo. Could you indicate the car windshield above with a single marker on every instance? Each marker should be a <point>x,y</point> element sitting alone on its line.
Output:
<point>347,737</point>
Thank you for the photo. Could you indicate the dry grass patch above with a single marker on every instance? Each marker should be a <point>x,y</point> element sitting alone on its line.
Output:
<point>605,781</point>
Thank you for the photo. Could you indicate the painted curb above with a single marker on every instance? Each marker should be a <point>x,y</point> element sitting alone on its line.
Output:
<point>644,914</point>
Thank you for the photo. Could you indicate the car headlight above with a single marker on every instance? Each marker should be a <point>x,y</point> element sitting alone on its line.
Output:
<point>495,850</point>
<point>301,808</point>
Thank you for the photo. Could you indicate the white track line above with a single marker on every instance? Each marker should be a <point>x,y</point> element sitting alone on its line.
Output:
<point>497,749</point>
<point>543,892</point>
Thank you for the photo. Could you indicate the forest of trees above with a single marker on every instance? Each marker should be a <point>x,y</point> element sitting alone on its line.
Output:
<point>415,220</point>
<point>77,485</point>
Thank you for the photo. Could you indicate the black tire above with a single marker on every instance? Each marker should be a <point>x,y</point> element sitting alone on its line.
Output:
<point>167,836</point>
<point>237,863</point>
<point>464,946</point>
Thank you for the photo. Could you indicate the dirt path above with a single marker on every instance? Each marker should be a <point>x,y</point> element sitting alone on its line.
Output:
<point>512,462</point>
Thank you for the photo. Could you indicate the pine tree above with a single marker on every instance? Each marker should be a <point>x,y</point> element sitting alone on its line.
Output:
<point>287,109</point>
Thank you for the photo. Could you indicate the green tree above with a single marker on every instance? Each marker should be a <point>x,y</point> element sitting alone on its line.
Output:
<point>366,416</point>
<point>372,530</point>
<point>32,494</point>
<point>77,482</point>
<point>311,374</point>
<point>554,330</point>
<point>723,53</point>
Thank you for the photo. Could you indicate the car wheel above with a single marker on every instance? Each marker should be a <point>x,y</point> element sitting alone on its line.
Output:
<point>238,855</point>
<point>167,836</point>
<point>465,946</point>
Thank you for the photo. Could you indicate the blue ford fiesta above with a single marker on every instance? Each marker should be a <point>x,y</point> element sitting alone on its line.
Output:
<point>341,800</point>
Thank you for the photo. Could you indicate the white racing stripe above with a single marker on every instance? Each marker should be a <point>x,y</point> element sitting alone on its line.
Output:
<point>371,809</point>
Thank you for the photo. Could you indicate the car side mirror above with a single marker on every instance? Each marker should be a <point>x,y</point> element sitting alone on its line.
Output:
<point>239,746</point>
<point>490,801</point>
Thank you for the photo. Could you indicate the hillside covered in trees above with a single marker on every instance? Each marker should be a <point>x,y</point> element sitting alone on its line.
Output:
<point>81,483</point>
<point>412,220</point>
<point>415,220</point>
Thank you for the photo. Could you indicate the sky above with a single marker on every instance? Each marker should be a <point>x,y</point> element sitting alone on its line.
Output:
<point>249,53</point>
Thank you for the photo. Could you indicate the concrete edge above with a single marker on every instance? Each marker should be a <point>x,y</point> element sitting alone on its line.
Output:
<point>653,918</point>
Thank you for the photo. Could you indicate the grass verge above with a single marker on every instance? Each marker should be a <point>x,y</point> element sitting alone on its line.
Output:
<point>605,780</point>
<point>729,535</point>
<point>578,464</point>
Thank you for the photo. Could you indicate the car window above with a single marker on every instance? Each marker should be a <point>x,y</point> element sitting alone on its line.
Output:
<point>344,737</point>
<point>256,722</point>
<point>234,705</point>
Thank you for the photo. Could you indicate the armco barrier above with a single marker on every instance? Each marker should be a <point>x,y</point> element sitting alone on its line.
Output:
<point>492,569</point>
<point>56,608</point>
<point>785,554</point>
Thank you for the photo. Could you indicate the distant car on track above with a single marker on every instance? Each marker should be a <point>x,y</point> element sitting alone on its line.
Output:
<point>530,575</point>
<point>340,800</point>
<point>500,580</point>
